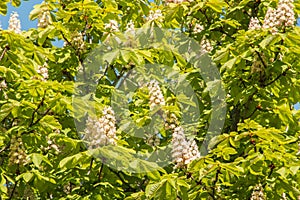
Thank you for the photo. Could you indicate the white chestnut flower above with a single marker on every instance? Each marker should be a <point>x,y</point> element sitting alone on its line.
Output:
<point>270,19</point>
<point>183,151</point>
<point>102,131</point>
<point>198,28</point>
<point>154,15</point>
<point>156,95</point>
<point>285,13</point>
<point>206,46</point>
<point>179,147</point>
<point>14,23</point>
<point>283,196</point>
<point>193,152</point>
<point>112,26</point>
<point>78,40</point>
<point>3,85</point>
<point>130,28</point>
<point>44,19</point>
<point>17,153</point>
<point>42,70</point>
<point>258,193</point>
<point>152,139</point>
<point>171,121</point>
<point>254,24</point>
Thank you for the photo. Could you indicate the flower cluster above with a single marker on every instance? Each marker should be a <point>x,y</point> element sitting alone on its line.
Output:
<point>112,26</point>
<point>206,47</point>
<point>198,28</point>
<point>254,24</point>
<point>17,154</point>
<point>130,28</point>
<point>283,196</point>
<point>42,70</point>
<point>102,131</point>
<point>78,40</point>
<point>44,19</point>
<point>14,23</point>
<point>282,16</point>
<point>154,15</point>
<point>3,85</point>
<point>156,96</point>
<point>285,13</point>
<point>171,121</point>
<point>51,145</point>
<point>183,151</point>
<point>258,193</point>
<point>193,152</point>
<point>270,19</point>
<point>152,139</point>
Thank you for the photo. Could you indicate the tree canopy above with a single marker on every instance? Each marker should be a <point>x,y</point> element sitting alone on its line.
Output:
<point>163,99</point>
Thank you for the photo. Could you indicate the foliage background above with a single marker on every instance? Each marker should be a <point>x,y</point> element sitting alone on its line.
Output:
<point>259,143</point>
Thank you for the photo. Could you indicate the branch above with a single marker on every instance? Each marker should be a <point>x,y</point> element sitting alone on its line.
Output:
<point>91,164</point>
<point>251,114</point>
<point>215,182</point>
<point>205,15</point>
<point>278,77</point>
<point>36,110</point>
<point>13,191</point>
<point>43,115</point>
<point>6,48</point>
<point>100,171</point>
<point>261,59</point>
<point>262,72</point>
<point>123,181</point>
<point>68,42</point>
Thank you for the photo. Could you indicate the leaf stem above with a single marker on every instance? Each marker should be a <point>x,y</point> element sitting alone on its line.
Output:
<point>6,48</point>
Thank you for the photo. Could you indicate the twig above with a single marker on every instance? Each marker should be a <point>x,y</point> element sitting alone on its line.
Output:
<point>100,171</point>
<point>13,190</point>
<point>91,165</point>
<point>262,61</point>
<point>278,77</point>
<point>6,48</point>
<point>123,181</point>
<point>36,110</point>
<point>43,115</point>
<point>215,182</point>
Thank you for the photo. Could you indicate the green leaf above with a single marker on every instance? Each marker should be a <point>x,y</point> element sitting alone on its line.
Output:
<point>50,122</point>
<point>37,159</point>
<point>5,110</point>
<point>72,161</point>
<point>3,8</point>
<point>16,3</point>
<point>216,5</point>
<point>232,168</point>
<point>282,171</point>
<point>229,64</point>
<point>27,176</point>
<point>267,41</point>
<point>35,12</point>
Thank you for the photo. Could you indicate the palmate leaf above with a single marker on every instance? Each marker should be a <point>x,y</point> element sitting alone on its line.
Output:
<point>216,5</point>
<point>165,188</point>
<point>126,160</point>
<point>3,7</point>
